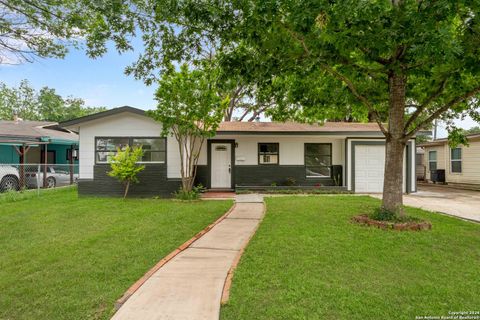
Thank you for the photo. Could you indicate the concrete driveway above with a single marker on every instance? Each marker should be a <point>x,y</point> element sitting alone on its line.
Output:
<point>456,202</point>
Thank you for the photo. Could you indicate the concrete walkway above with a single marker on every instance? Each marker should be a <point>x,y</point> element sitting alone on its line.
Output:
<point>190,285</point>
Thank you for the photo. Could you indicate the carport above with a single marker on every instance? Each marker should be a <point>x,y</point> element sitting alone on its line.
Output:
<point>50,144</point>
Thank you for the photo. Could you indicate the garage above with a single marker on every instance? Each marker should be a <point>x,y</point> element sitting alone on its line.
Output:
<point>369,168</point>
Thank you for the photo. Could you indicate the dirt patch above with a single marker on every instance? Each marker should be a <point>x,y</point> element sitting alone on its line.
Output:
<point>364,219</point>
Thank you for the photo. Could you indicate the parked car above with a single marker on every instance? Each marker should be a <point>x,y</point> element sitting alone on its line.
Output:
<point>9,178</point>
<point>55,178</point>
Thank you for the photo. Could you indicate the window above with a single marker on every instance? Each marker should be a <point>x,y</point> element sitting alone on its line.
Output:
<point>268,153</point>
<point>154,148</point>
<point>456,160</point>
<point>318,160</point>
<point>432,160</point>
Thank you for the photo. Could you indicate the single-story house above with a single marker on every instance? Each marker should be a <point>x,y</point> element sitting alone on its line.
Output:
<point>461,165</point>
<point>242,154</point>
<point>27,146</point>
<point>38,137</point>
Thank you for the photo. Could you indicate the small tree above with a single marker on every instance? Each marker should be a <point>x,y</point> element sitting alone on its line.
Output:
<point>190,109</point>
<point>125,167</point>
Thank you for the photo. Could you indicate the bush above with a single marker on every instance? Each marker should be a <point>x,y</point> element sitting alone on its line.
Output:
<point>194,194</point>
<point>290,181</point>
<point>380,214</point>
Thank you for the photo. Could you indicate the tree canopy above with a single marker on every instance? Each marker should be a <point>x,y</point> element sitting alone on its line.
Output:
<point>45,104</point>
<point>190,109</point>
<point>403,63</point>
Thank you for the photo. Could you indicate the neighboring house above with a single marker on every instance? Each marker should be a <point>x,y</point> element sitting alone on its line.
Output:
<point>242,154</point>
<point>38,136</point>
<point>420,164</point>
<point>24,143</point>
<point>461,164</point>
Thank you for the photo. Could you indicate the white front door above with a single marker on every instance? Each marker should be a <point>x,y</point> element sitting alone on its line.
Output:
<point>221,166</point>
<point>369,168</point>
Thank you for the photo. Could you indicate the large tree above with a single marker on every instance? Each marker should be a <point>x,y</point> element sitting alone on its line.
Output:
<point>36,28</point>
<point>412,60</point>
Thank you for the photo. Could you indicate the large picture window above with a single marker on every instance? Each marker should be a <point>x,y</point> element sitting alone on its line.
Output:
<point>154,148</point>
<point>432,160</point>
<point>268,153</point>
<point>456,160</point>
<point>318,160</point>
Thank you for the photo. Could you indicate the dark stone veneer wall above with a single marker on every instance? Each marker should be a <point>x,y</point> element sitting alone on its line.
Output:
<point>266,175</point>
<point>154,181</point>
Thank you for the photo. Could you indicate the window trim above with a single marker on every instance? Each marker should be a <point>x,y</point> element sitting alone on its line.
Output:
<point>305,159</point>
<point>430,161</point>
<point>278,154</point>
<point>456,160</point>
<point>130,143</point>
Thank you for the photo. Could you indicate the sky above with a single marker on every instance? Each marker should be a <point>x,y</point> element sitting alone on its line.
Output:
<point>101,82</point>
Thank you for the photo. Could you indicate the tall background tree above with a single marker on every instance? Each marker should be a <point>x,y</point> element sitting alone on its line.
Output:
<point>45,104</point>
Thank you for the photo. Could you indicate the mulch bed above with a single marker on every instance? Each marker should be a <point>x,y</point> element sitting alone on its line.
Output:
<point>364,219</point>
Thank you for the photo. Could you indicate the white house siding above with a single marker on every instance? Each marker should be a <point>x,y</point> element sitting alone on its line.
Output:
<point>119,125</point>
<point>441,157</point>
<point>470,165</point>
<point>291,148</point>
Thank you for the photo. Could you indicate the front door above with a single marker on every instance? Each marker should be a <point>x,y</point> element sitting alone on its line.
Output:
<point>221,166</point>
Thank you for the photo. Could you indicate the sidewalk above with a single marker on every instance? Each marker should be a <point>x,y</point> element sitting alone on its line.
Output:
<point>190,285</point>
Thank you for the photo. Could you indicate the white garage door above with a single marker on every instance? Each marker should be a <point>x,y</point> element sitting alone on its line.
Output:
<point>369,168</point>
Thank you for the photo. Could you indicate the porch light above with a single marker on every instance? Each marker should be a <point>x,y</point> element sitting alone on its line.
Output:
<point>75,154</point>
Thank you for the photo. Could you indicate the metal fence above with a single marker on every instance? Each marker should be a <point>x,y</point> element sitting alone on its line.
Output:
<point>21,177</point>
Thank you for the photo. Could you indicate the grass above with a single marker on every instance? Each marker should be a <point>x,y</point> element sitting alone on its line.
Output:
<point>64,257</point>
<point>308,261</point>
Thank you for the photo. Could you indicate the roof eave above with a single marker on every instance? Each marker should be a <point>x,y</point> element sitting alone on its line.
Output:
<point>100,115</point>
<point>320,133</point>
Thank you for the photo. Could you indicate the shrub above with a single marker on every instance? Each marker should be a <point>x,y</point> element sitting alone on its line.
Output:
<point>290,181</point>
<point>381,214</point>
<point>193,194</point>
<point>125,167</point>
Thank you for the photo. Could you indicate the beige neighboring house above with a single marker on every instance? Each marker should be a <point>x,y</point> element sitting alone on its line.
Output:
<point>461,164</point>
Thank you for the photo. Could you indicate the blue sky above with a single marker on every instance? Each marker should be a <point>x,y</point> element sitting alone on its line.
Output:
<point>100,82</point>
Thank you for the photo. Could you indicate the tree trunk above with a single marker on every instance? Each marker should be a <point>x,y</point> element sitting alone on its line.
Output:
<point>187,183</point>
<point>127,185</point>
<point>395,146</point>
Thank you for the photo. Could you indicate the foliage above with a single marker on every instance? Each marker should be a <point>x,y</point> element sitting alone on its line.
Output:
<point>44,104</point>
<point>290,181</point>
<point>276,190</point>
<point>193,194</point>
<point>473,130</point>
<point>37,28</point>
<point>404,62</point>
<point>422,138</point>
<point>125,167</point>
<point>189,109</point>
<point>92,248</point>
<point>308,261</point>
<point>381,214</point>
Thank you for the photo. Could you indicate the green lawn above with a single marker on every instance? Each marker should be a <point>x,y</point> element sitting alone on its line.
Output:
<point>68,258</point>
<point>307,261</point>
